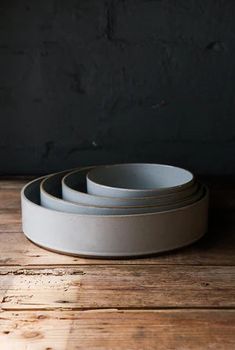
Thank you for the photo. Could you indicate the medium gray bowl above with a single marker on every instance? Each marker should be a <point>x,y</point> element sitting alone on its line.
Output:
<point>74,190</point>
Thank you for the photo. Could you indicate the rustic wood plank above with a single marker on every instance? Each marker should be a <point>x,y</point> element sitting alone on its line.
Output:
<point>123,286</point>
<point>163,281</point>
<point>213,249</point>
<point>9,199</point>
<point>163,329</point>
<point>10,221</point>
<point>14,182</point>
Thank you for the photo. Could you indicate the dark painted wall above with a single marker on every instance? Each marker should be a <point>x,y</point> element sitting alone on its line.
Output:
<point>96,81</point>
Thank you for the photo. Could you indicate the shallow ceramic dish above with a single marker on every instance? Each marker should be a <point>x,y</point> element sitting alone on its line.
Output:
<point>50,194</point>
<point>74,190</point>
<point>111,236</point>
<point>137,180</point>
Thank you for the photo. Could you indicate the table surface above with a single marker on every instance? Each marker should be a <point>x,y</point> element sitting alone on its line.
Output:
<point>179,300</point>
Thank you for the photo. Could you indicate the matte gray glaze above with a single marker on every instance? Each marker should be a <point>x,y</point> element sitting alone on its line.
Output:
<point>50,193</point>
<point>74,181</point>
<point>110,236</point>
<point>136,180</point>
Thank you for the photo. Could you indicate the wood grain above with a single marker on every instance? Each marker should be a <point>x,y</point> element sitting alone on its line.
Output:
<point>182,300</point>
<point>213,249</point>
<point>124,286</point>
<point>10,221</point>
<point>161,330</point>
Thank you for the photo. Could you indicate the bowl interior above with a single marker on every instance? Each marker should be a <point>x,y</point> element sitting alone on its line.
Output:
<point>139,176</point>
<point>73,190</point>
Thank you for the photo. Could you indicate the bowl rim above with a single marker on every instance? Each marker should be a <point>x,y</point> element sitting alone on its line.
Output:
<point>166,189</point>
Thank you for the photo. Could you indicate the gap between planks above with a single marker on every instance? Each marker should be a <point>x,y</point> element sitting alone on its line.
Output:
<point>121,309</point>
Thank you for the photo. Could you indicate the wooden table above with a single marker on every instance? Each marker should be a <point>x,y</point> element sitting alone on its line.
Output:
<point>181,300</point>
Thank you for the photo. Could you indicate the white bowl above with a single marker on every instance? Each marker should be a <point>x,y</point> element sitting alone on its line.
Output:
<point>137,180</point>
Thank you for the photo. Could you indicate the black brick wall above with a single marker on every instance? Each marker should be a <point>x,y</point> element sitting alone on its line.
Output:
<point>96,81</point>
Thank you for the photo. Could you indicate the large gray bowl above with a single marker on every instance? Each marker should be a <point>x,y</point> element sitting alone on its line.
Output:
<point>111,236</point>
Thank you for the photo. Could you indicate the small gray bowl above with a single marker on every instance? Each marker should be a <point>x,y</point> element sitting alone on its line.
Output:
<point>137,180</point>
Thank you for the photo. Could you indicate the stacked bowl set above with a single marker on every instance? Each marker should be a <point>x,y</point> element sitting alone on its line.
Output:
<point>115,211</point>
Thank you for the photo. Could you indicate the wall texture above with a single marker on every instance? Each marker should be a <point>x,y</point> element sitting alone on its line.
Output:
<point>96,81</point>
